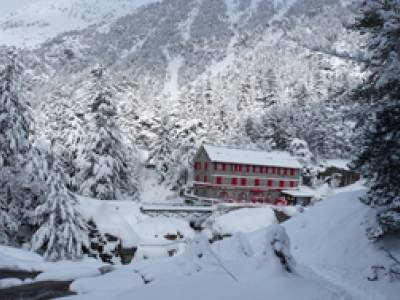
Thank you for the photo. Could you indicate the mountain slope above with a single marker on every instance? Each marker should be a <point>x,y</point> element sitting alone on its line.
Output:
<point>28,23</point>
<point>207,70</point>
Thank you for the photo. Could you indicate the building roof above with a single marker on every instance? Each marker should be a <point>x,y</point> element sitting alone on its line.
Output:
<point>303,191</point>
<point>251,157</point>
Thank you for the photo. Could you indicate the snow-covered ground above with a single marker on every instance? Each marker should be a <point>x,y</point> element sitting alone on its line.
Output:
<point>244,220</point>
<point>331,259</point>
<point>330,240</point>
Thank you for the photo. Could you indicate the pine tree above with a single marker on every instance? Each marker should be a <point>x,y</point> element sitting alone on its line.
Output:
<point>379,155</point>
<point>61,230</point>
<point>15,121</point>
<point>105,169</point>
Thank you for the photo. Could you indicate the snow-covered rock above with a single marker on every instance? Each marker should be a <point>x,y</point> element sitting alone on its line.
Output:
<point>243,220</point>
<point>114,217</point>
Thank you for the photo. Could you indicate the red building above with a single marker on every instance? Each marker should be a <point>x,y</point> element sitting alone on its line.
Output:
<point>236,175</point>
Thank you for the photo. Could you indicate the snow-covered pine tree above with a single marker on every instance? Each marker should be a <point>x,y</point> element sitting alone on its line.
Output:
<point>105,168</point>
<point>61,230</point>
<point>15,121</point>
<point>379,155</point>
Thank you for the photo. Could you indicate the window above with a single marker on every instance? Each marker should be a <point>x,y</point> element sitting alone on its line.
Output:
<point>240,168</point>
<point>197,178</point>
<point>281,184</point>
<point>215,166</point>
<point>293,184</point>
<point>292,172</point>
<point>205,165</point>
<point>234,181</point>
<point>197,165</point>
<point>274,170</point>
<point>285,171</point>
<point>218,180</point>
<point>243,181</point>
<point>261,170</point>
<point>205,179</point>
<point>248,169</point>
<point>254,169</point>
<point>224,167</point>
<point>269,183</point>
<point>256,182</point>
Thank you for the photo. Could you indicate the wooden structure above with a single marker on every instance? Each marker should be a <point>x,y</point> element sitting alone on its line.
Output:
<point>338,176</point>
<point>302,196</point>
<point>235,175</point>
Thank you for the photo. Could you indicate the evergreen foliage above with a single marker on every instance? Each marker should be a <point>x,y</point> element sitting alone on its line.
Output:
<point>61,230</point>
<point>104,167</point>
<point>379,155</point>
<point>15,122</point>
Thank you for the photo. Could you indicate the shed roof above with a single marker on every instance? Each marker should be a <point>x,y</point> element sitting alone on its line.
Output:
<point>251,157</point>
<point>303,191</point>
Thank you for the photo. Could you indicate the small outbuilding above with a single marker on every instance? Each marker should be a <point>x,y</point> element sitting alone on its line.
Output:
<point>302,196</point>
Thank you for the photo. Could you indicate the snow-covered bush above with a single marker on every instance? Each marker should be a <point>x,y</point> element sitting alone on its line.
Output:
<point>276,254</point>
<point>299,149</point>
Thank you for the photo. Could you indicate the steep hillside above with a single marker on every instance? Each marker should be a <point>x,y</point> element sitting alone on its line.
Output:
<point>193,71</point>
<point>28,23</point>
<point>331,240</point>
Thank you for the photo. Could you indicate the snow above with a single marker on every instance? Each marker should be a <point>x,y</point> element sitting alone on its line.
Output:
<point>325,250</point>
<point>338,163</point>
<point>29,23</point>
<point>171,87</point>
<point>114,217</point>
<point>154,192</point>
<point>330,239</point>
<point>244,220</point>
<point>154,229</point>
<point>177,207</point>
<point>70,273</point>
<point>303,191</point>
<point>185,26</point>
<point>283,7</point>
<point>252,157</point>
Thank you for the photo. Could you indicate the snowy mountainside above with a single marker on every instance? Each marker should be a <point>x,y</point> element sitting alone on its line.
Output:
<point>174,42</point>
<point>192,71</point>
<point>165,46</point>
<point>30,23</point>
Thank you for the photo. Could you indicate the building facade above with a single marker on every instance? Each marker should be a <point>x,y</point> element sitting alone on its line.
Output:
<point>235,175</point>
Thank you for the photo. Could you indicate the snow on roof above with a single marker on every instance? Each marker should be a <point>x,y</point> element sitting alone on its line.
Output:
<point>338,163</point>
<point>303,191</point>
<point>252,157</point>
